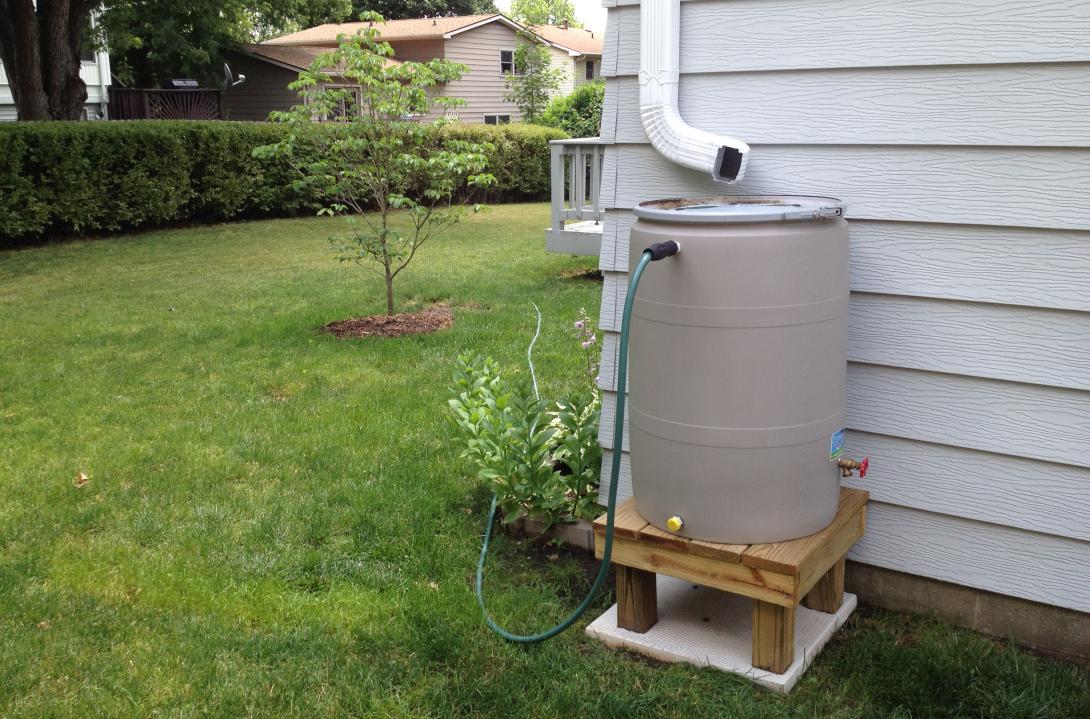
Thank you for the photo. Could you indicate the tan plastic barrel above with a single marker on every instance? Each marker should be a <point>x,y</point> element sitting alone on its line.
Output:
<point>737,366</point>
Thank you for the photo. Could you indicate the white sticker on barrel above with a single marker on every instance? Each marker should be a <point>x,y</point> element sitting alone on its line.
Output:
<point>836,445</point>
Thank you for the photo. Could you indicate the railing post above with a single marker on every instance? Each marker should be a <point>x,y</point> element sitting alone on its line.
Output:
<point>572,187</point>
<point>557,169</point>
<point>579,191</point>
<point>598,152</point>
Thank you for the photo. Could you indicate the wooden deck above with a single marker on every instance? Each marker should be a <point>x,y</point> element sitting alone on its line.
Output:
<point>577,238</point>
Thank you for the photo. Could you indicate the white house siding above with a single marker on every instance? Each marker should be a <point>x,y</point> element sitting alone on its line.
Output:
<point>482,87</point>
<point>581,70</point>
<point>92,72</point>
<point>564,62</point>
<point>958,133</point>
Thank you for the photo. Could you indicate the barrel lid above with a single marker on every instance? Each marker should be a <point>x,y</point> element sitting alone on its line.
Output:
<point>741,208</point>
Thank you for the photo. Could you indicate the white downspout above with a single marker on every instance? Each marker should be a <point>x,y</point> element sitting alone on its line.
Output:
<point>724,158</point>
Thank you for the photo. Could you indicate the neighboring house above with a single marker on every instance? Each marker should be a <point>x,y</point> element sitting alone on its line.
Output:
<point>964,160</point>
<point>269,69</point>
<point>483,43</point>
<point>95,72</point>
<point>576,51</point>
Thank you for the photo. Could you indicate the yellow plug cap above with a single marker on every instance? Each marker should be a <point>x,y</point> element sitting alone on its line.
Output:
<point>674,523</point>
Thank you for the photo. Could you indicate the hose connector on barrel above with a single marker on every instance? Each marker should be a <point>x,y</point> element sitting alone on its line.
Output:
<point>662,250</point>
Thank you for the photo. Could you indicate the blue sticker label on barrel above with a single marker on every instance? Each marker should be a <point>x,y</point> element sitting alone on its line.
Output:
<point>836,445</point>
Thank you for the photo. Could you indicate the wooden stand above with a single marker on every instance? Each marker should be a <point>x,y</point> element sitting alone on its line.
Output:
<point>776,576</point>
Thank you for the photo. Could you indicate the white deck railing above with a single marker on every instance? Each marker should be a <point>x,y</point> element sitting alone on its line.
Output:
<point>576,179</point>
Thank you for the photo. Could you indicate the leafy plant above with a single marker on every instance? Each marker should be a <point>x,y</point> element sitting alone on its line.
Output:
<point>578,114</point>
<point>508,436</point>
<point>575,445</point>
<point>542,464</point>
<point>382,152</point>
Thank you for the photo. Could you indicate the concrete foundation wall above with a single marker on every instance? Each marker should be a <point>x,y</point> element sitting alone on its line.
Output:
<point>1040,626</point>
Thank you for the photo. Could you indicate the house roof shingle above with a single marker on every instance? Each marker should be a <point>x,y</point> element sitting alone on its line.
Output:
<point>413,29</point>
<point>585,42</point>
<point>296,56</point>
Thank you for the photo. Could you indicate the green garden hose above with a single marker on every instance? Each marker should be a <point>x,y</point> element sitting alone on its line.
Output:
<point>656,252</point>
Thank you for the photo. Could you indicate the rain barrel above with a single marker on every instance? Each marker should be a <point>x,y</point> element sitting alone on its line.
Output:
<point>737,366</point>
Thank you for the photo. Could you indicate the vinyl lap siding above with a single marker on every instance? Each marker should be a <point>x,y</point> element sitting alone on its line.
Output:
<point>565,63</point>
<point>417,50</point>
<point>265,90</point>
<point>958,133</point>
<point>482,86</point>
<point>581,70</point>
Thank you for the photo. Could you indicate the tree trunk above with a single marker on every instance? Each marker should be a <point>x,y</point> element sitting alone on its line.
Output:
<point>40,50</point>
<point>389,293</point>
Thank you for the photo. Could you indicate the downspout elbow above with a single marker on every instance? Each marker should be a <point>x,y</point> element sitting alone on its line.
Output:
<point>723,157</point>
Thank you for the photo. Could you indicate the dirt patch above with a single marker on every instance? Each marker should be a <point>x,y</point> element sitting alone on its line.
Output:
<point>592,275</point>
<point>433,319</point>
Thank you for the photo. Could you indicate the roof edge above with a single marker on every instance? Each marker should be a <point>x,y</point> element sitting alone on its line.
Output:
<point>246,50</point>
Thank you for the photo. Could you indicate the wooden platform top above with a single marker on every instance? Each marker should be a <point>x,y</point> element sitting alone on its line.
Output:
<point>792,557</point>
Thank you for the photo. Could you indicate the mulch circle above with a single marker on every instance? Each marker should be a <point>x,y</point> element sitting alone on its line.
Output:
<point>433,319</point>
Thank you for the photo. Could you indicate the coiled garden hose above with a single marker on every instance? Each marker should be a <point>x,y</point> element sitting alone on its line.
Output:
<point>655,252</point>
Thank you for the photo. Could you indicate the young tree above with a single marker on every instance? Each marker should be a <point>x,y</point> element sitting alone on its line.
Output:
<point>375,152</point>
<point>544,12</point>
<point>534,81</point>
<point>40,48</point>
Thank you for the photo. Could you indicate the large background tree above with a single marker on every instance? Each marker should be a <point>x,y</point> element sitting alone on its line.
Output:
<point>544,12</point>
<point>401,9</point>
<point>40,48</point>
<point>151,41</point>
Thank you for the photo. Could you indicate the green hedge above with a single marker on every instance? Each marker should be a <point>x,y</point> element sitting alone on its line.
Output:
<point>520,159</point>
<point>74,178</point>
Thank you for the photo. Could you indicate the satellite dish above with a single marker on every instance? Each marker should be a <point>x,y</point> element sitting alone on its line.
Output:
<point>229,77</point>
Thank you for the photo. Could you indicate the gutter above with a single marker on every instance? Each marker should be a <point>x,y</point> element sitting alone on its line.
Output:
<point>724,158</point>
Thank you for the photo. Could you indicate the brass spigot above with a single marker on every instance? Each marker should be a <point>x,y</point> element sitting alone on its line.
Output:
<point>848,465</point>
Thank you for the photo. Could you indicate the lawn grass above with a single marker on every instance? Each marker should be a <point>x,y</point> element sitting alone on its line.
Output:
<point>277,523</point>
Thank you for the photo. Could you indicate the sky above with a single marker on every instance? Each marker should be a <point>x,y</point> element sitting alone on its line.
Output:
<point>590,12</point>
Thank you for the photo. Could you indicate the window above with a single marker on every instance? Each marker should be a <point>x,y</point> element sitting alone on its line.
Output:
<point>87,42</point>
<point>346,103</point>
<point>590,69</point>
<point>507,61</point>
<point>497,119</point>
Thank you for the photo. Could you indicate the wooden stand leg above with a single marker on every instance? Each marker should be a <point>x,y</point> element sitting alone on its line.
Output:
<point>773,636</point>
<point>637,600</point>
<point>828,594</point>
